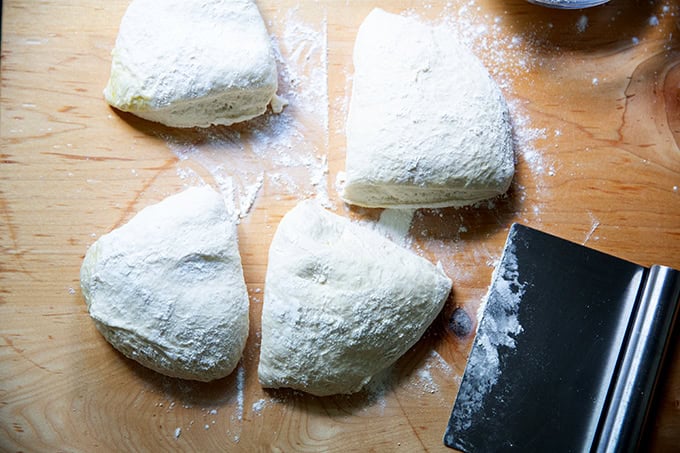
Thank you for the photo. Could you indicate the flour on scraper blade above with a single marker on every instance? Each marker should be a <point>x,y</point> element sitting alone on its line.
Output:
<point>341,303</point>
<point>187,63</point>
<point>427,126</point>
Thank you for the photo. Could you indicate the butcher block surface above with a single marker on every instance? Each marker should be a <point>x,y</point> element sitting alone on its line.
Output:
<point>595,100</point>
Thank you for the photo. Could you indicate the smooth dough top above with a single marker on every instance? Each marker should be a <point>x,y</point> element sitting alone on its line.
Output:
<point>188,63</point>
<point>167,289</point>
<point>427,126</point>
<point>341,303</point>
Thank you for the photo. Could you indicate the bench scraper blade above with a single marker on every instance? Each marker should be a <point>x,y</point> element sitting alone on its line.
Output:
<point>567,352</point>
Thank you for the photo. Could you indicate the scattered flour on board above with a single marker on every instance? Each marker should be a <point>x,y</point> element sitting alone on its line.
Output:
<point>426,379</point>
<point>240,386</point>
<point>582,24</point>
<point>430,374</point>
<point>499,327</point>
<point>594,225</point>
<point>236,419</point>
<point>287,151</point>
<point>259,405</point>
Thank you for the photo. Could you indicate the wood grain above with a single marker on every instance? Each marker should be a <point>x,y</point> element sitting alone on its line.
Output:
<point>599,164</point>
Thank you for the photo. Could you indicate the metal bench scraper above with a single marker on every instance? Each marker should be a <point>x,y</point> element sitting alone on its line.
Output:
<point>567,352</point>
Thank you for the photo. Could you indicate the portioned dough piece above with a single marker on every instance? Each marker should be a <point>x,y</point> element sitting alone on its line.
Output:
<point>167,290</point>
<point>427,126</point>
<point>188,63</point>
<point>341,303</point>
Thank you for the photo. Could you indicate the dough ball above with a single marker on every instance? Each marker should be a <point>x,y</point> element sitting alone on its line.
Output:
<point>187,63</point>
<point>167,290</point>
<point>427,126</point>
<point>341,303</point>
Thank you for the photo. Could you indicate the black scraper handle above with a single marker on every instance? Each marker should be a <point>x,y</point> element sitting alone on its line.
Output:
<point>631,392</point>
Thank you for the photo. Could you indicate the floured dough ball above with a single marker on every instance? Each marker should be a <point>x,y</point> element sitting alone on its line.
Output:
<point>341,303</point>
<point>167,290</point>
<point>427,126</point>
<point>187,63</point>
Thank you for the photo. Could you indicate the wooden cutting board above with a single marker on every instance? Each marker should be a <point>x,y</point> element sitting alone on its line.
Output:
<point>595,96</point>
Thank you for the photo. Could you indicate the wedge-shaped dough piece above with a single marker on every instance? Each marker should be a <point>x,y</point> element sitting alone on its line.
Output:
<point>188,63</point>
<point>341,303</point>
<point>167,290</point>
<point>427,126</point>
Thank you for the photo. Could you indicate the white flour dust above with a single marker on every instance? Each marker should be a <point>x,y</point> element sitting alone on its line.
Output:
<point>498,328</point>
<point>582,24</point>
<point>427,379</point>
<point>236,419</point>
<point>284,153</point>
<point>593,226</point>
<point>259,405</point>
